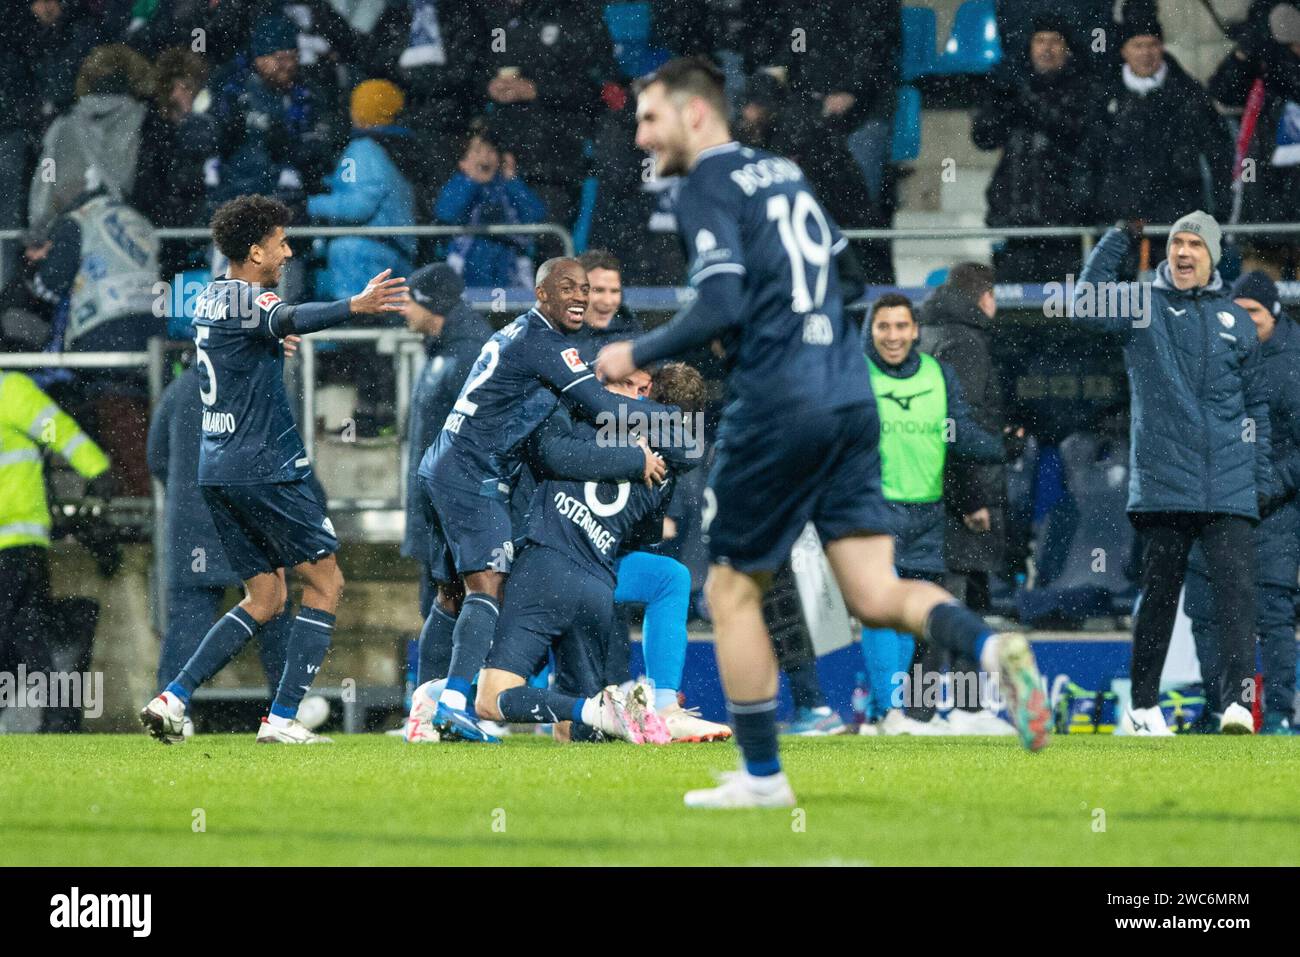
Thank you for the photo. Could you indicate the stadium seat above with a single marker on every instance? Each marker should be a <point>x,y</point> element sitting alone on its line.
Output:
<point>629,28</point>
<point>907,126</point>
<point>918,42</point>
<point>973,46</point>
<point>1086,541</point>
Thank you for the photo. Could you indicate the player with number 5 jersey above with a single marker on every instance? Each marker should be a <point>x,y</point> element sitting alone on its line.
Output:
<point>254,473</point>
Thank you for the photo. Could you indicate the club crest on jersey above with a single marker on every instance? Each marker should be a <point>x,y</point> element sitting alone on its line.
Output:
<point>573,360</point>
<point>267,299</point>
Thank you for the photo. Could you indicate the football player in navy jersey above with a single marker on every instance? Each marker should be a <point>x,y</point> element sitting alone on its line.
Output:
<point>798,438</point>
<point>560,596</point>
<point>253,469</point>
<point>469,472</point>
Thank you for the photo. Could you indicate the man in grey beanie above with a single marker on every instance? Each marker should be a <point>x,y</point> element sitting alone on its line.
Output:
<point>1199,456</point>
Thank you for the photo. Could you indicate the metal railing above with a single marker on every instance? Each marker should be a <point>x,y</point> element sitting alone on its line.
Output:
<point>1086,235</point>
<point>325,232</point>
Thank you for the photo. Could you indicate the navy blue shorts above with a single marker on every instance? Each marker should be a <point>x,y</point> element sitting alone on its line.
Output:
<point>553,604</point>
<point>770,479</point>
<point>468,532</point>
<point>276,525</point>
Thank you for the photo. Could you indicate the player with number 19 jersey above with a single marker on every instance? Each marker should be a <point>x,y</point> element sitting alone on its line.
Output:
<point>752,214</point>
<point>798,441</point>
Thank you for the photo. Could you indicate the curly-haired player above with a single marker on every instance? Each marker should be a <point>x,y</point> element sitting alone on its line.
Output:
<point>253,469</point>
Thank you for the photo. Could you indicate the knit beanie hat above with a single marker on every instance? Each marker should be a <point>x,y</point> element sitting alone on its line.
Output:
<point>1258,286</point>
<point>1203,225</point>
<point>1140,20</point>
<point>437,287</point>
<point>271,34</point>
<point>376,103</point>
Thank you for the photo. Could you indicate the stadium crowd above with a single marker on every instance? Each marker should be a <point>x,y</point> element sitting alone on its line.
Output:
<point>127,117</point>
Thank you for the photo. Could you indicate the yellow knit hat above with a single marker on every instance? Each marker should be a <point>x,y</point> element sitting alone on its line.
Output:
<point>376,103</point>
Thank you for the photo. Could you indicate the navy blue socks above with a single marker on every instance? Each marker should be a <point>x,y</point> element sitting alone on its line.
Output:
<point>754,724</point>
<point>435,645</point>
<point>223,641</point>
<point>308,642</point>
<point>527,705</point>
<point>471,640</point>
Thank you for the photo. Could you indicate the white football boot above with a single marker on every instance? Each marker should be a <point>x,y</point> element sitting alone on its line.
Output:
<point>293,733</point>
<point>614,717</point>
<point>982,723</point>
<point>164,718</point>
<point>1145,723</point>
<point>1236,720</point>
<point>419,723</point>
<point>737,789</point>
<point>896,722</point>
<point>685,724</point>
<point>648,726</point>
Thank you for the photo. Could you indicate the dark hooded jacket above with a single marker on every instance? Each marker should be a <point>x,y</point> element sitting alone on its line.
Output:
<point>1277,539</point>
<point>956,332</point>
<point>1159,155</point>
<point>1037,121</point>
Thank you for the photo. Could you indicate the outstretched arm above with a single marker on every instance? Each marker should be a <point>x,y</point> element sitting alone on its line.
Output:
<point>1092,292</point>
<point>381,295</point>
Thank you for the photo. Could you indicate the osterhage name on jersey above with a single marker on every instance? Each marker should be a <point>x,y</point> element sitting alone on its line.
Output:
<point>514,384</point>
<point>588,521</point>
<point>249,433</point>
<point>753,214</point>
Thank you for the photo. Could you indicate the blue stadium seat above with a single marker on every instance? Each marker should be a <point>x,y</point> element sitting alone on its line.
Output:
<point>907,125</point>
<point>629,28</point>
<point>973,46</point>
<point>918,42</point>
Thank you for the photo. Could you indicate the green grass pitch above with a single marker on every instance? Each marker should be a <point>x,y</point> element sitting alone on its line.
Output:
<point>107,799</point>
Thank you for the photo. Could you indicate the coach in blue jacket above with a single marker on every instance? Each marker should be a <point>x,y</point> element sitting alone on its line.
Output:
<point>455,334</point>
<point>1277,539</point>
<point>194,569</point>
<point>1200,453</point>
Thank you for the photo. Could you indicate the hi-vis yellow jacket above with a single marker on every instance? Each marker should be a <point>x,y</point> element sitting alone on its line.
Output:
<point>29,419</point>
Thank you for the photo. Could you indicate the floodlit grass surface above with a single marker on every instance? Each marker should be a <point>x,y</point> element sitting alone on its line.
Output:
<point>108,799</point>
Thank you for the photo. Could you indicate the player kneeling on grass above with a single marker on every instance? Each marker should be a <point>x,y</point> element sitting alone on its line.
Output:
<point>561,593</point>
<point>255,476</point>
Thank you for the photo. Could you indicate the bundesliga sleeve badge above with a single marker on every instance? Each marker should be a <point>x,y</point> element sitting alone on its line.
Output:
<point>573,360</point>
